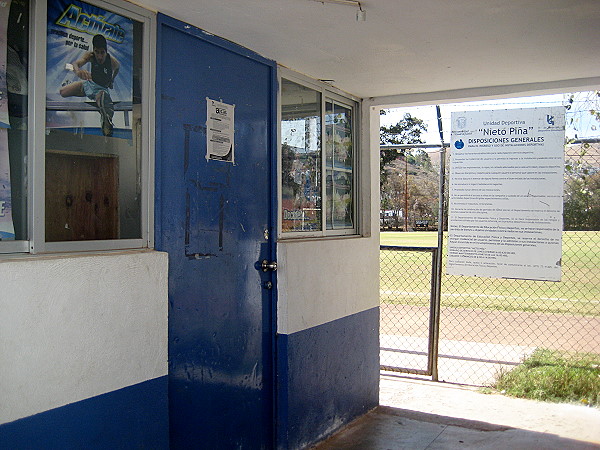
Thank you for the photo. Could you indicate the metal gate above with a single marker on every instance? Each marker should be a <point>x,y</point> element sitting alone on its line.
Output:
<point>409,330</point>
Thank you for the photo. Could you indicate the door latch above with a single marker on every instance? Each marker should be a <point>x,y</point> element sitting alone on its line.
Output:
<point>265,265</point>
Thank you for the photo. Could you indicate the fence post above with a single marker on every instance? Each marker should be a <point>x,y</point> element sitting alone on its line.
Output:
<point>438,267</point>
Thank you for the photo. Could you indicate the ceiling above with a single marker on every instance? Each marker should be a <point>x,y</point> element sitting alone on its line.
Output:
<point>412,47</point>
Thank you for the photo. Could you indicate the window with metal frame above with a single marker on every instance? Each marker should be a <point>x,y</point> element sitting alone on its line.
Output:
<point>14,124</point>
<point>318,139</point>
<point>79,158</point>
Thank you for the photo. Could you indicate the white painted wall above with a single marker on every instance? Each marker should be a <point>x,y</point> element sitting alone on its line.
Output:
<point>73,327</point>
<point>326,279</point>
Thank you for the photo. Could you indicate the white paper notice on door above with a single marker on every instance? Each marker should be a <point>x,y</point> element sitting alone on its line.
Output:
<point>506,193</point>
<point>220,127</point>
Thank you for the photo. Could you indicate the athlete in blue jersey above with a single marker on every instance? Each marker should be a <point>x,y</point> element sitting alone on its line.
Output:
<point>96,82</point>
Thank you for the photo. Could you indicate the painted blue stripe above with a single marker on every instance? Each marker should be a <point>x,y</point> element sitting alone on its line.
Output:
<point>282,389</point>
<point>328,376</point>
<point>129,418</point>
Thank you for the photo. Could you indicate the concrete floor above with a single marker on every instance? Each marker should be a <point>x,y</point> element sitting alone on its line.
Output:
<point>419,414</point>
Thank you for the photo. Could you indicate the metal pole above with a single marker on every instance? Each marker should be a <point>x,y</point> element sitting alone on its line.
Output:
<point>405,192</point>
<point>432,344</point>
<point>438,265</point>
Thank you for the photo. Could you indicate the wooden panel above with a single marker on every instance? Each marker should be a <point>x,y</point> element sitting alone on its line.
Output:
<point>82,196</point>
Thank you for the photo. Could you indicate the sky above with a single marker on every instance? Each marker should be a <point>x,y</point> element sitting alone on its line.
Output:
<point>580,123</point>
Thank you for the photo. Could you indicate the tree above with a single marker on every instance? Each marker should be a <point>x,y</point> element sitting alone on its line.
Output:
<point>582,203</point>
<point>581,209</point>
<point>417,195</point>
<point>583,101</point>
<point>392,197</point>
<point>406,131</point>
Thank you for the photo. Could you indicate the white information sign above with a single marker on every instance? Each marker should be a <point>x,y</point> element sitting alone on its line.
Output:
<point>506,193</point>
<point>220,127</point>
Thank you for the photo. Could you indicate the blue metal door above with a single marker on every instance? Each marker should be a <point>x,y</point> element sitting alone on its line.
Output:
<point>215,219</point>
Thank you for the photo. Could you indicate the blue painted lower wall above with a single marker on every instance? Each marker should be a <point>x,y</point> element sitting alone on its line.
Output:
<point>327,376</point>
<point>129,418</point>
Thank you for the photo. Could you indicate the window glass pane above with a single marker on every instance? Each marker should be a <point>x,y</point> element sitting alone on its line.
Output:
<point>339,200</point>
<point>14,21</point>
<point>301,158</point>
<point>339,162</point>
<point>93,124</point>
<point>338,132</point>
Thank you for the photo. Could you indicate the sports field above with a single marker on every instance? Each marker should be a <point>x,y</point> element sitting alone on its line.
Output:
<point>405,279</point>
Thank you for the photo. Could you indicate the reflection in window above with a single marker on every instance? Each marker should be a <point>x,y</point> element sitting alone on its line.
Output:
<point>14,92</point>
<point>339,166</point>
<point>318,161</point>
<point>301,158</point>
<point>93,123</point>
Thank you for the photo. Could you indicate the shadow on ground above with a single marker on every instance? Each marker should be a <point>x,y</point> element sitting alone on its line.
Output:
<point>387,428</point>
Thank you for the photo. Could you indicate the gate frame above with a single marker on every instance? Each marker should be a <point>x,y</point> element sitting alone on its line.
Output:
<point>434,313</point>
<point>436,264</point>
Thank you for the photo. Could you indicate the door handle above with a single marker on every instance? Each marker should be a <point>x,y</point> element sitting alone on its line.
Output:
<point>265,265</point>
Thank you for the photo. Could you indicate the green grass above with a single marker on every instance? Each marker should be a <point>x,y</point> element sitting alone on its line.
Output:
<point>410,239</point>
<point>405,276</point>
<point>554,376</point>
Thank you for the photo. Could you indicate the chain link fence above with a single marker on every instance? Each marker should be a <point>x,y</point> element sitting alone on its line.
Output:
<point>489,325</point>
<point>405,308</point>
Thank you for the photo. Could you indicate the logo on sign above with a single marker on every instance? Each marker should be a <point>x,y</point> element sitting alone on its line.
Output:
<point>459,144</point>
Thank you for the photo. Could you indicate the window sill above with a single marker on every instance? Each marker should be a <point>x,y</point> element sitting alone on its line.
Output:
<point>14,257</point>
<point>300,239</point>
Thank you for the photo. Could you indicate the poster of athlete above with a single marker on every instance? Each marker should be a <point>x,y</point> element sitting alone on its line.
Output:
<point>6,223</point>
<point>89,77</point>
